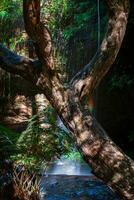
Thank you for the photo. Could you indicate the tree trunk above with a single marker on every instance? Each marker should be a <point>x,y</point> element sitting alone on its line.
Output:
<point>107,160</point>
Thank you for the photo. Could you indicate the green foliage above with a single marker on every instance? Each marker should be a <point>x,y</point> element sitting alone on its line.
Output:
<point>5,147</point>
<point>13,136</point>
<point>37,145</point>
<point>120,81</point>
<point>7,8</point>
<point>57,13</point>
<point>68,20</point>
<point>74,155</point>
<point>7,143</point>
<point>64,18</point>
<point>70,16</point>
<point>122,74</point>
<point>10,13</point>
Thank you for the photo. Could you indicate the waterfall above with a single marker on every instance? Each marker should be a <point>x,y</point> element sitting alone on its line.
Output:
<point>3,80</point>
<point>98,24</point>
<point>9,85</point>
<point>64,166</point>
<point>98,46</point>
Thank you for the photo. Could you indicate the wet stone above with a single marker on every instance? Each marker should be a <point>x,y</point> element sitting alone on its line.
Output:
<point>63,187</point>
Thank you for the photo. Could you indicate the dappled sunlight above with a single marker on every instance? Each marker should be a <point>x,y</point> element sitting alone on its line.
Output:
<point>77,30</point>
<point>91,148</point>
<point>112,156</point>
<point>84,136</point>
<point>117,177</point>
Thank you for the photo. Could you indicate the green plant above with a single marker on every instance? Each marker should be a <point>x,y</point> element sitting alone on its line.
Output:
<point>6,147</point>
<point>38,145</point>
<point>121,80</point>
<point>8,139</point>
<point>74,155</point>
<point>8,20</point>
<point>12,135</point>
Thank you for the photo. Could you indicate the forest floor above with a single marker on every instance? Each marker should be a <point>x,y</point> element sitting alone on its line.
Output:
<point>64,187</point>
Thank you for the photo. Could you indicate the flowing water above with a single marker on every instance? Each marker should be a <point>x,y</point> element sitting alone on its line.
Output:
<point>65,166</point>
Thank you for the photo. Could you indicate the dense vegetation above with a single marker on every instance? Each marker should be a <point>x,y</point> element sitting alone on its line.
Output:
<point>35,146</point>
<point>66,19</point>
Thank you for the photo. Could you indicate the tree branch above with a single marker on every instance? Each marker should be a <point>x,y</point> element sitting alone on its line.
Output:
<point>16,64</point>
<point>90,76</point>
<point>39,33</point>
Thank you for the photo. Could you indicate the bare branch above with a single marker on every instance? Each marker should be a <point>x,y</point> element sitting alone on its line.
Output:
<point>90,76</point>
<point>16,64</point>
<point>38,32</point>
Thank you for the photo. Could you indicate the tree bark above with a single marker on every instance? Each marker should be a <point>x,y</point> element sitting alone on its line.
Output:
<point>106,159</point>
<point>11,62</point>
<point>39,33</point>
<point>90,76</point>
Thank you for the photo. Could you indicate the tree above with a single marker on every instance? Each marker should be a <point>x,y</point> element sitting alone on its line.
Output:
<point>107,160</point>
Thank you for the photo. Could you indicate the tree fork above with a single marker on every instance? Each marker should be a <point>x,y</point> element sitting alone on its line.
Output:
<point>86,80</point>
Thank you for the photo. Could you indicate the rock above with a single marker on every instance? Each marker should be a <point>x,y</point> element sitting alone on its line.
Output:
<point>63,187</point>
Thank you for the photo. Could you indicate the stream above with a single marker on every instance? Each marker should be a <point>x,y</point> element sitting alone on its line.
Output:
<point>73,180</point>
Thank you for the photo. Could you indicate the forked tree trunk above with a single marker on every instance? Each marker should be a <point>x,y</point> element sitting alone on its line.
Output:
<point>106,159</point>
